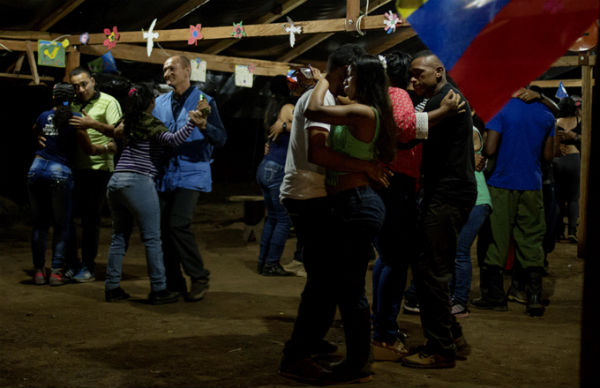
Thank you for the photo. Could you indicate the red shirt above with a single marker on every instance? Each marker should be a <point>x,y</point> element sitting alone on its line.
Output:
<point>408,161</point>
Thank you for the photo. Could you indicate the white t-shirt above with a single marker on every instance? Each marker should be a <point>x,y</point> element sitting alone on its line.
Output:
<point>303,180</point>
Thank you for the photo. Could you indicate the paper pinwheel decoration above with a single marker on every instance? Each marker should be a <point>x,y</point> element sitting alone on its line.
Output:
<point>292,30</point>
<point>391,21</point>
<point>111,37</point>
<point>150,36</point>
<point>238,30</point>
<point>195,34</point>
<point>84,38</point>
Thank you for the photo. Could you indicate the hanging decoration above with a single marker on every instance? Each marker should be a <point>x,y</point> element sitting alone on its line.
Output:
<point>198,70</point>
<point>391,21</point>
<point>406,7</point>
<point>103,64</point>
<point>243,76</point>
<point>195,34</point>
<point>150,36</point>
<point>238,30</point>
<point>111,37</point>
<point>51,53</point>
<point>292,30</point>
<point>84,38</point>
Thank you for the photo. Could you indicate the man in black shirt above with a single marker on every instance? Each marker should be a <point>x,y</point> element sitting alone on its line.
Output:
<point>448,196</point>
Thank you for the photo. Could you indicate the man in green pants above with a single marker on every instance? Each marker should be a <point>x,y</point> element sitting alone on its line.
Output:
<point>520,134</point>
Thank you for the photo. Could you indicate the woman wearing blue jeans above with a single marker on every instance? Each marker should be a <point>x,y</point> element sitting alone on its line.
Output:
<point>478,215</point>
<point>50,183</point>
<point>132,195</point>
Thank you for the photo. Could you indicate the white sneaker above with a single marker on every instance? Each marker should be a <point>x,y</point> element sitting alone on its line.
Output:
<point>296,267</point>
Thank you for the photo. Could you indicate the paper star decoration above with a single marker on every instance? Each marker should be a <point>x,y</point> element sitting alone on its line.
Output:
<point>292,30</point>
<point>238,30</point>
<point>391,21</point>
<point>195,34</point>
<point>150,36</point>
<point>111,37</point>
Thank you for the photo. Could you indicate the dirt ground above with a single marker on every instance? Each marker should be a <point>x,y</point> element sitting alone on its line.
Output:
<point>69,336</point>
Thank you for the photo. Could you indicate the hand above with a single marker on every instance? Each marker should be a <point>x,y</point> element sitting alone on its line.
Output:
<point>119,131</point>
<point>82,122</point>
<point>203,107</point>
<point>112,147</point>
<point>527,95</point>
<point>566,135</point>
<point>198,119</point>
<point>317,75</point>
<point>42,141</point>
<point>275,130</point>
<point>480,162</point>
<point>453,103</point>
<point>266,148</point>
<point>379,173</point>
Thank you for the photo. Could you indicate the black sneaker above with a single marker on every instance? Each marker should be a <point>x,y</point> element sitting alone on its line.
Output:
<point>275,270</point>
<point>342,373</point>
<point>163,297</point>
<point>411,308</point>
<point>115,294</point>
<point>197,290</point>
<point>323,347</point>
<point>305,370</point>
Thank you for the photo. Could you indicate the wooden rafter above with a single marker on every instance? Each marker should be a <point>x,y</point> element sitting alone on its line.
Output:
<point>58,14</point>
<point>179,13</point>
<point>315,40</point>
<point>389,41</point>
<point>286,8</point>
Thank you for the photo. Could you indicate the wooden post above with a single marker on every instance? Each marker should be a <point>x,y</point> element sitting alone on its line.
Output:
<point>32,64</point>
<point>352,13</point>
<point>586,141</point>
<point>73,61</point>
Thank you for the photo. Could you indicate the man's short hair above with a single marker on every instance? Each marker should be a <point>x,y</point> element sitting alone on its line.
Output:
<point>423,53</point>
<point>185,61</point>
<point>80,70</point>
<point>344,55</point>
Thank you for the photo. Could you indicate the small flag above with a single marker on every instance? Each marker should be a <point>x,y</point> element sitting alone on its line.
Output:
<point>561,92</point>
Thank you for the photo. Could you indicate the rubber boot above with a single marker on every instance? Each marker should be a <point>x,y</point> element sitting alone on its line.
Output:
<point>535,307</point>
<point>494,299</point>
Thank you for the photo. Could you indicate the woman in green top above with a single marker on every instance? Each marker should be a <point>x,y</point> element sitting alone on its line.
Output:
<point>361,136</point>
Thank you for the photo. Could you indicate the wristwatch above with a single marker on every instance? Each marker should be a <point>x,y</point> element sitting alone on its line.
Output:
<point>284,126</point>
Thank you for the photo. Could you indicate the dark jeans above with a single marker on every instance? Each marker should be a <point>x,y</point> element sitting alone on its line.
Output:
<point>90,193</point>
<point>50,189</point>
<point>395,244</point>
<point>566,175</point>
<point>179,242</point>
<point>439,226</point>
<point>276,230</point>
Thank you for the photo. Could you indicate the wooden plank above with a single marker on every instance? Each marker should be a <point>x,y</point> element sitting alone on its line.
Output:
<point>315,40</point>
<point>213,62</point>
<point>32,64</point>
<point>389,41</point>
<point>553,83</point>
<point>586,141</point>
<point>25,76</point>
<point>73,61</point>
<point>252,30</point>
<point>572,60</point>
<point>352,13</point>
<point>57,15</point>
<point>286,8</point>
<point>179,13</point>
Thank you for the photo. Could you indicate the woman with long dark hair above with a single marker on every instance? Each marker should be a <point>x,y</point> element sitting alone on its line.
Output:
<point>132,195</point>
<point>362,129</point>
<point>50,183</point>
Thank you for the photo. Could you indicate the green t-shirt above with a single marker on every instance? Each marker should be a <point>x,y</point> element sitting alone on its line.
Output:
<point>105,109</point>
<point>483,194</point>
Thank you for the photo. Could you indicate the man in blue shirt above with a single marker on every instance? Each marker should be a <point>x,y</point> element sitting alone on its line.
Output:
<point>520,135</point>
<point>186,175</point>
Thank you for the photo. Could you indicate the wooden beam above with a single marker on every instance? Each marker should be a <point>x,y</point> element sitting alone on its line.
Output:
<point>389,41</point>
<point>73,61</point>
<point>179,13</point>
<point>553,83</point>
<point>586,141</point>
<point>352,13</point>
<point>213,62</point>
<point>572,60</point>
<point>315,40</point>
<point>286,8</point>
<point>58,14</point>
<point>25,76</point>
<point>32,64</point>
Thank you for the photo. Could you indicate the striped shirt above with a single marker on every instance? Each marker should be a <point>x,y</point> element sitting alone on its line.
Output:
<point>146,156</point>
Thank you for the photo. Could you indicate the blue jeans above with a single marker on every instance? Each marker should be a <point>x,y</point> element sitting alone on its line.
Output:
<point>464,268</point>
<point>277,224</point>
<point>132,197</point>
<point>50,189</point>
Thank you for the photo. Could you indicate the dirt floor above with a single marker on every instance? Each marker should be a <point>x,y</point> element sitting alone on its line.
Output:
<point>69,336</point>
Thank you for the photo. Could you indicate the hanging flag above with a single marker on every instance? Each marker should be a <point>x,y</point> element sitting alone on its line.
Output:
<point>491,48</point>
<point>561,92</point>
<point>407,7</point>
